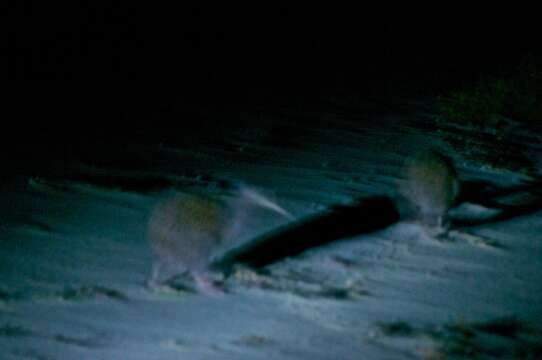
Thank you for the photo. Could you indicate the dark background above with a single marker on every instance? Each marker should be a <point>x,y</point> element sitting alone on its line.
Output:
<point>86,69</point>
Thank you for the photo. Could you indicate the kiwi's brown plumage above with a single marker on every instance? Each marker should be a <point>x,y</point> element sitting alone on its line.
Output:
<point>184,230</point>
<point>431,186</point>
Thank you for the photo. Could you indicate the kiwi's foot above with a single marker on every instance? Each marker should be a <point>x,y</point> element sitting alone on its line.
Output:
<point>208,286</point>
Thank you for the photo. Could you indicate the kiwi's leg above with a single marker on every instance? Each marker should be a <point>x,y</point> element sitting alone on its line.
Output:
<point>153,281</point>
<point>161,273</point>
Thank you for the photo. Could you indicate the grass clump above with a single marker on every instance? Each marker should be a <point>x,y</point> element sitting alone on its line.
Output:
<point>90,292</point>
<point>9,330</point>
<point>398,328</point>
<point>500,338</point>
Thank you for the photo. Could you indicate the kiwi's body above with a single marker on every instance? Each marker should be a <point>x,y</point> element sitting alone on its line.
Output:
<point>431,186</point>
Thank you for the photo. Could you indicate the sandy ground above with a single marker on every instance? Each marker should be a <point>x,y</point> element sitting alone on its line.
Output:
<point>74,255</point>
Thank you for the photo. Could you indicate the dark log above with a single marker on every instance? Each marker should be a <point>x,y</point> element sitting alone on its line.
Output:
<point>340,222</point>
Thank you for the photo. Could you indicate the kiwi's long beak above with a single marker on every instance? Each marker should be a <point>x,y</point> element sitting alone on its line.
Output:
<point>262,201</point>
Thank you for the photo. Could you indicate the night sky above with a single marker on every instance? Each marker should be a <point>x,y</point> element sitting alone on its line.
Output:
<point>77,69</point>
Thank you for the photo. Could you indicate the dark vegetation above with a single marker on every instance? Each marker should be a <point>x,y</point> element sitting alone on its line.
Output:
<point>516,95</point>
<point>500,338</point>
<point>496,115</point>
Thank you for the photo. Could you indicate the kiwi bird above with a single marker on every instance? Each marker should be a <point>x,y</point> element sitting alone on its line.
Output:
<point>431,187</point>
<point>186,230</point>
